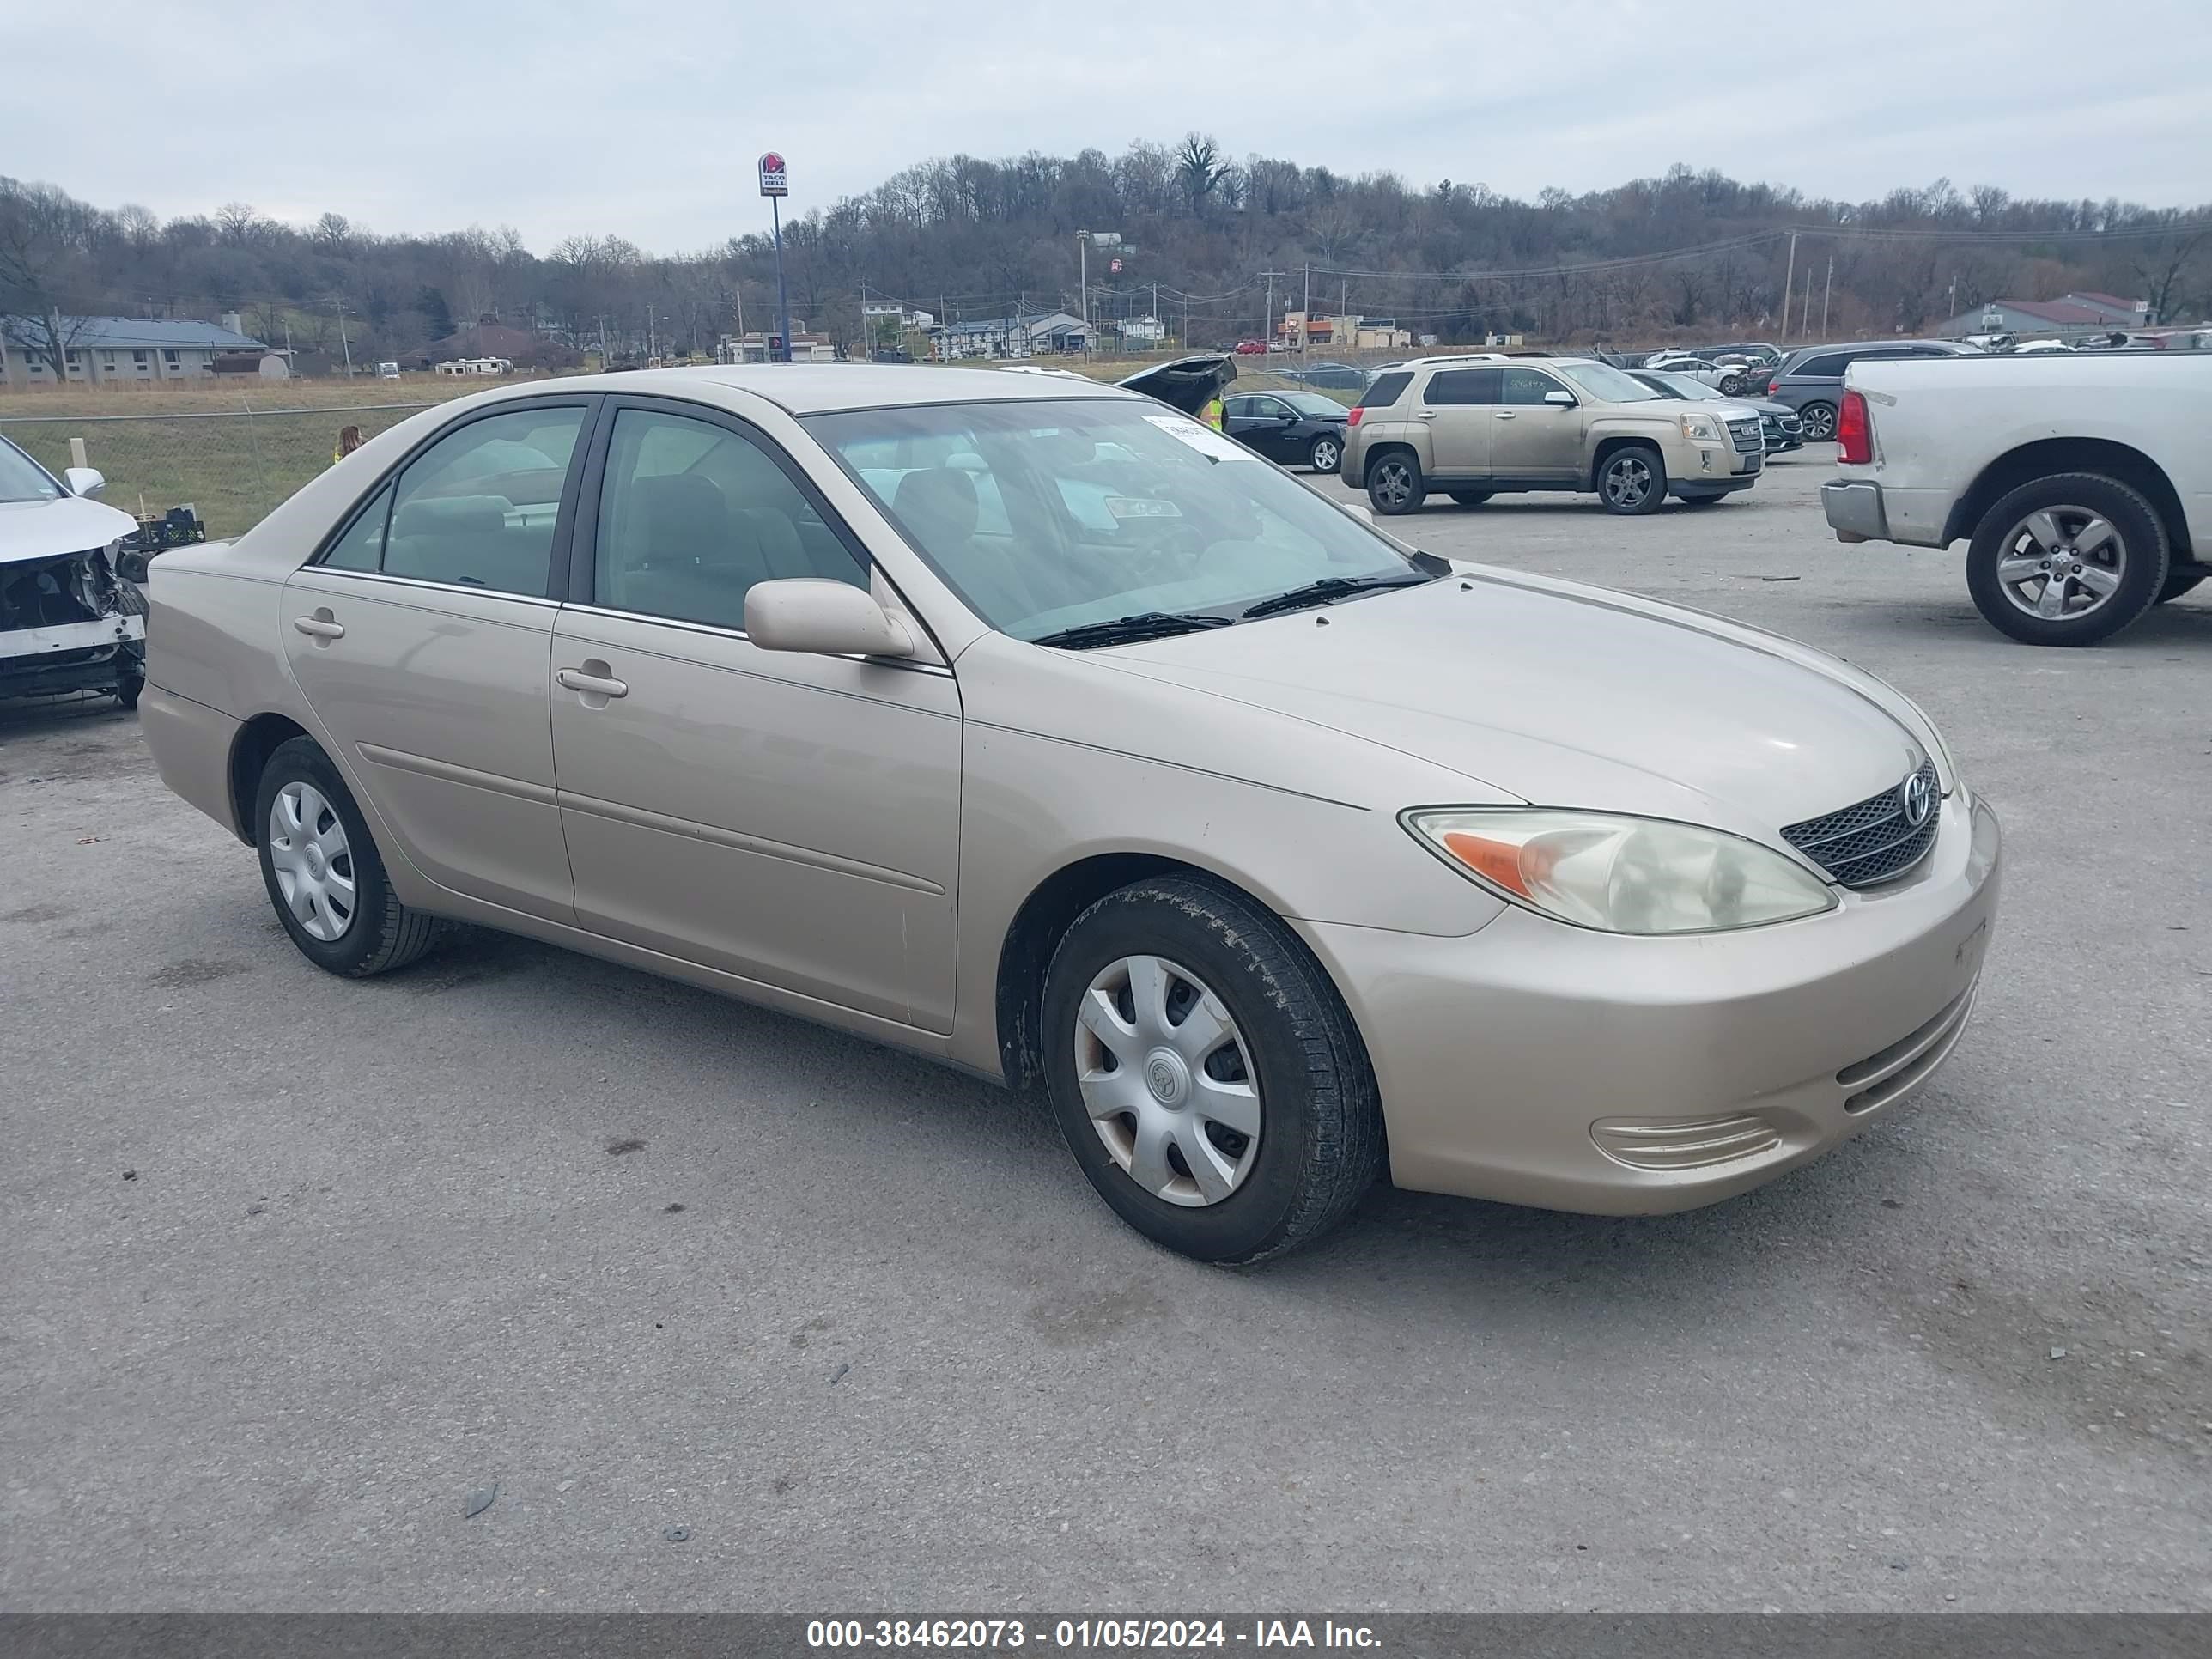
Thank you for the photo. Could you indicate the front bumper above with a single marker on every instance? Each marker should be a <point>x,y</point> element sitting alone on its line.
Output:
<point>1536,1063</point>
<point>86,656</point>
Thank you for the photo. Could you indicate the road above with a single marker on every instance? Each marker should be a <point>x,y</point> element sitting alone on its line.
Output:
<point>295,1266</point>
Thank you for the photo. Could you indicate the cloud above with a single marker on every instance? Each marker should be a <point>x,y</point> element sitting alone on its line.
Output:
<point>644,122</point>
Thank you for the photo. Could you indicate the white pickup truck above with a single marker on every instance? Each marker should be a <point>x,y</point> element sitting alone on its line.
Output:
<point>2082,484</point>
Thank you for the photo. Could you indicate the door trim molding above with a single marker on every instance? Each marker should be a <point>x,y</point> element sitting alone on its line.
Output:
<point>616,812</point>
<point>398,759</point>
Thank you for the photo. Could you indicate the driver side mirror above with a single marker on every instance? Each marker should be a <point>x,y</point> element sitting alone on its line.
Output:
<point>833,619</point>
<point>84,480</point>
<point>1558,397</point>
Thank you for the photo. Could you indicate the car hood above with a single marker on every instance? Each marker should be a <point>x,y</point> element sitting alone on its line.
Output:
<point>1566,696</point>
<point>1185,383</point>
<point>69,524</point>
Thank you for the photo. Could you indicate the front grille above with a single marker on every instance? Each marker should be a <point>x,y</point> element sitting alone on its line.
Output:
<point>1747,436</point>
<point>1871,841</point>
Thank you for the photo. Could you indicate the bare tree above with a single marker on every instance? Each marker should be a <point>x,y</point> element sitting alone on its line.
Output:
<point>2163,267</point>
<point>46,237</point>
<point>1198,168</point>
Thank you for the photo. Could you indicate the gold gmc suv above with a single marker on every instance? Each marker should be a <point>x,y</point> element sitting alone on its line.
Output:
<point>1473,426</point>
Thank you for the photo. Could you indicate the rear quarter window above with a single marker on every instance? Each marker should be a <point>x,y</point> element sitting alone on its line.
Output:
<point>1386,390</point>
<point>1829,367</point>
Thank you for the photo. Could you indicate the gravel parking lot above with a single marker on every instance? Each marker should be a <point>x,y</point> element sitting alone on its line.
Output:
<point>294,1267</point>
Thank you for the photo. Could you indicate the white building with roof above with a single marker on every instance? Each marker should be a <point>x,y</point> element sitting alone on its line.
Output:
<point>109,351</point>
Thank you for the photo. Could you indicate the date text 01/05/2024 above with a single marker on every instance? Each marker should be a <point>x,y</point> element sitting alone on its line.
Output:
<point>1120,1635</point>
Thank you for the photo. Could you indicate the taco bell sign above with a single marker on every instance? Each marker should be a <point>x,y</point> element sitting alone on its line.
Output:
<point>772,180</point>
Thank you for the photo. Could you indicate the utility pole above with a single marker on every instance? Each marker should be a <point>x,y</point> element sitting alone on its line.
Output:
<point>337,304</point>
<point>1305,325</point>
<point>1827,291</point>
<point>1267,322</point>
<point>1806,310</point>
<point>651,349</point>
<point>1788,281</point>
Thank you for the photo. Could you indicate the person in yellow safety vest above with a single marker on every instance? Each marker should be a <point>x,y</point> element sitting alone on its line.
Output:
<point>1211,413</point>
<point>349,439</point>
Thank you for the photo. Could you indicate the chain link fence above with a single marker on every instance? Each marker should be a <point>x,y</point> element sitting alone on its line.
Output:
<point>232,466</point>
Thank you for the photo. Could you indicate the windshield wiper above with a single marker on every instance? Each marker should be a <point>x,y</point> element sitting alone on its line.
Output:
<point>1124,631</point>
<point>1327,588</point>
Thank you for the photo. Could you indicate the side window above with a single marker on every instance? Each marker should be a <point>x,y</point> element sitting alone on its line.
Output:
<point>477,507</point>
<point>1462,386</point>
<point>1524,387</point>
<point>692,516</point>
<point>1829,367</point>
<point>1237,407</point>
<point>1270,408</point>
<point>1386,389</point>
<point>362,547</point>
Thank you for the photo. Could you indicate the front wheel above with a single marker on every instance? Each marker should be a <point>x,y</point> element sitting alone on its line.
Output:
<point>1205,1074</point>
<point>1326,455</point>
<point>1394,484</point>
<point>1820,422</point>
<point>323,873</point>
<point>1472,497</point>
<point>1713,500</point>
<point>1632,480</point>
<point>128,687</point>
<point>2067,560</point>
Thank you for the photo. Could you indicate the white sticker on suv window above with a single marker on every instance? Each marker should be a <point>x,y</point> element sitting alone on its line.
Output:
<point>1203,439</point>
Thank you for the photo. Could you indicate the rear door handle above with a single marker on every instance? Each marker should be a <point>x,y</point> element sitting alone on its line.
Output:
<point>1503,414</point>
<point>599,685</point>
<point>319,626</point>
<point>1426,415</point>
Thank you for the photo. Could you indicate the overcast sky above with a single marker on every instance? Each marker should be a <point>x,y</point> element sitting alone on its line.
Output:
<point>644,119</point>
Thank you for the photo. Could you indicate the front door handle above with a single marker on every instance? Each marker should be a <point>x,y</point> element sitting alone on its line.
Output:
<point>320,626</point>
<point>1426,415</point>
<point>592,685</point>
<point>1503,414</point>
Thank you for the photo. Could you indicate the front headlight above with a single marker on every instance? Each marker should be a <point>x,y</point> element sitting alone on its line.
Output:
<point>1621,875</point>
<point>1701,427</point>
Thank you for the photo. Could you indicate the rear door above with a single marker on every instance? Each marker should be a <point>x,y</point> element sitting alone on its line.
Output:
<point>421,637</point>
<point>1457,405</point>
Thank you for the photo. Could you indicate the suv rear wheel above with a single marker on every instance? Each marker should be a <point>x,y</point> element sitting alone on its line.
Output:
<point>1394,484</point>
<point>1472,497</point>
<point>1820,422</point>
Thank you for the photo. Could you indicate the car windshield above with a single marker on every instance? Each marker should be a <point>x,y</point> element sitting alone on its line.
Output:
<point>1056,515</point>
<point>1606,384</point>
<point>22,478</point>
<point>1311,403</point>
<point>1686,386</point>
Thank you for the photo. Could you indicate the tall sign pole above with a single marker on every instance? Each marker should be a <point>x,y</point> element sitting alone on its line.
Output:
<point>775,184</point>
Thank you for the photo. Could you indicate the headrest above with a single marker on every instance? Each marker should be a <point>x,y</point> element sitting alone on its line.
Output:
<point>940,501</point>
<point>450,515</point>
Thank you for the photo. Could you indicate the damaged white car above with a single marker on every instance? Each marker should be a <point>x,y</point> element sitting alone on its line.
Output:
<point>69,619</point>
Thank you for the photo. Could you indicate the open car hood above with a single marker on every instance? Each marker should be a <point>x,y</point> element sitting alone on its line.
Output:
<point>1187,382</point>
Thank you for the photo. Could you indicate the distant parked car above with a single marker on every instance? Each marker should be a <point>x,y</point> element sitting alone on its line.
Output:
<point>1250,349</point>
<point>1731,377</point>
<point>1340,377</point>
<point>1297,428</point>
<point>1779,424</point>
<point>1811,379</point>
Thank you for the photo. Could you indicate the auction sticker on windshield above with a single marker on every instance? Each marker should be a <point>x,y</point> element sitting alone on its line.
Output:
<point>1203,439</point>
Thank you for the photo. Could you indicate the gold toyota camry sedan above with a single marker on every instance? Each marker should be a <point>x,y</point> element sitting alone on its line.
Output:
<point>1032,726</point>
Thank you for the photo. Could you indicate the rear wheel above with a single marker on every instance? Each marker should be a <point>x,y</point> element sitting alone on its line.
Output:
<point>1327,454</point>
<point>1632,480</point>
<point>1205,1074</point>
<point>1708,499</point>
<point>323,873</point>
<point>1472,497</point>
<point>1820,422</point>
<point>2067,560</point>
<point>1394,484</point>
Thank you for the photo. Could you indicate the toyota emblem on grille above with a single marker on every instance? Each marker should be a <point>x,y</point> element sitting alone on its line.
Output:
<point>1918,799</point>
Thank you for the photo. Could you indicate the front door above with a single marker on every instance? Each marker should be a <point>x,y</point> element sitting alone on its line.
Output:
<point>1262,424</point>
<point>1456,406</point>
<point>1531,440</point>
<point>421,638</point>
<point>792,819</point>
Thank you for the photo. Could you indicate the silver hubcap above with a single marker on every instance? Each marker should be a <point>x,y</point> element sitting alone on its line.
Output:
<point>2060,563</point>
<point>1627,480</point>
<point>1391,483</point>
<point>1167,1080</point>
<point>1819,421</point>
<point>1324,456</point>
<point>314,862</point>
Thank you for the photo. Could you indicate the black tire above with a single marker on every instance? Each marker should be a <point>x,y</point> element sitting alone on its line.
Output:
<point>128,688</point>
<point>383,933</point>
<point>2179,579</point>
<point>1731,388</point>
<point>2145,558</point>
<point>1624,473</point>
<point>1327,454</point>
<point>1394,484</point>
<point>1712,499</point>
<point>1471,497</point>
<point>1820,422</point>
<point>1319,1145</point>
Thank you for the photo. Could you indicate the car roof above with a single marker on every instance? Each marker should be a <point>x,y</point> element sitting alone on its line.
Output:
<point>822,388</point>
